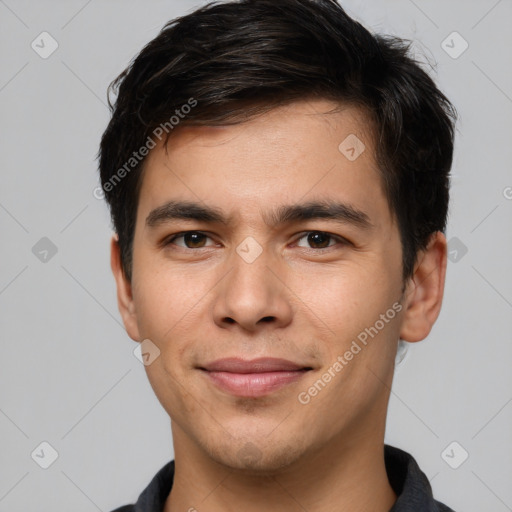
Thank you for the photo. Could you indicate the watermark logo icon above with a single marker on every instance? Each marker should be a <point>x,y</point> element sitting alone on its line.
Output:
<point>454,455</point>
<point>44,45</point>
<point>249,453</point>
<point>454,45</point>
<point>456,249</point>
<point>146,352</point>
<point>44,250</point>
<point>352,147</point>
<point>249,249</point>
<point>44,455</point>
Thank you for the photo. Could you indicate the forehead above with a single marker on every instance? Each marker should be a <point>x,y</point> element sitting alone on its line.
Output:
<point>299,123</point>
<point>301,151</point>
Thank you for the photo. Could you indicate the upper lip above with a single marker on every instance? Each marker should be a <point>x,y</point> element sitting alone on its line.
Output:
<point>260,365</point>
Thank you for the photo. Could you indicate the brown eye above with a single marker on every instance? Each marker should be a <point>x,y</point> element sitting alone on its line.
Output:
<point>191,239</point>
<point>319,239</point>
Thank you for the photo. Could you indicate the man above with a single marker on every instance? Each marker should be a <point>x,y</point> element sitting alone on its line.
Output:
<point>278,183</point>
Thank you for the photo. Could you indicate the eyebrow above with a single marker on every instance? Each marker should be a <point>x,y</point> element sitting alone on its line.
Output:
<point>330,210</point>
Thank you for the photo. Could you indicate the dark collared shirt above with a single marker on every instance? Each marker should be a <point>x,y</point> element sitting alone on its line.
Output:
<point>410,484</point>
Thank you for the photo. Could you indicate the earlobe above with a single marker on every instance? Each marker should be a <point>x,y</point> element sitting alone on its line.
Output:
<point>424,292</point>
<point>125,300</point>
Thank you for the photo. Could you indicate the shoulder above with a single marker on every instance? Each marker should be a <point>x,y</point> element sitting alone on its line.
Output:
<point>410,484</point>
<point>441,507</point>
<point>152,498</point>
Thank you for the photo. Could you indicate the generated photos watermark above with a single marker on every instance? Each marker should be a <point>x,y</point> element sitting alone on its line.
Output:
<point>142,152</point>
<point>304,397</point>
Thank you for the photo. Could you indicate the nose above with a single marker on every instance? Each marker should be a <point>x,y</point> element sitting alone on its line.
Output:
<point>253,295</point>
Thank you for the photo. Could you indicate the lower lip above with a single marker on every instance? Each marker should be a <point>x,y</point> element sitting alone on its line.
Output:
<point>254,384</point>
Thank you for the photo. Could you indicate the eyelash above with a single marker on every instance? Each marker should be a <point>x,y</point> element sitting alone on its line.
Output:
<point>304,234</point>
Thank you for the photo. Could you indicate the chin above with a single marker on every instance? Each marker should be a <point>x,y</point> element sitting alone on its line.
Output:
<point>257,457</point>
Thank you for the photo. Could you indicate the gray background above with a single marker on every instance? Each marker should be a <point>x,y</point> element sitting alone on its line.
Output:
<point>68,375</point>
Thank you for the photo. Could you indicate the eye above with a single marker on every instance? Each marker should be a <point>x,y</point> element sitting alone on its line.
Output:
<point>191,239</point>
<point>320,238</point>
<point>197,240</point>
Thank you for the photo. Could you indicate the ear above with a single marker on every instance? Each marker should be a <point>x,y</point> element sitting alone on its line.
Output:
<point>424,290</point>
<point>125,301</point>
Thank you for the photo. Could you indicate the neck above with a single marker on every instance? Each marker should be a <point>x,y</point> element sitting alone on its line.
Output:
<point>339,476</point>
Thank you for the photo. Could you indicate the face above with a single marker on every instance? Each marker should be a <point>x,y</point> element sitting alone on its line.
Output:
<point>277,325</point>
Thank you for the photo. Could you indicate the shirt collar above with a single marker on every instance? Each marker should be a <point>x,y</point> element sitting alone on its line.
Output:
<point>413,490</point>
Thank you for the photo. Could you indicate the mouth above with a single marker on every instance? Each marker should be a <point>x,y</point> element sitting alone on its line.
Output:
<point>254,378</point>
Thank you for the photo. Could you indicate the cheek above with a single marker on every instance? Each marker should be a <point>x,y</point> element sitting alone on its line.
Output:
<point>172,395</point>
<point>166,299</point>
<point>342,310</point>
<point>345,297</point>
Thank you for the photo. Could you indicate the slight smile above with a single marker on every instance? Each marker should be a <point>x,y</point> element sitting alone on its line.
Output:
<point>254,378</point>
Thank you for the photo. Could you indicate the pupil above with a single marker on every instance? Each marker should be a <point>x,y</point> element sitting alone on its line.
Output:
<point>313,238</point>
<point>190,236</point>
